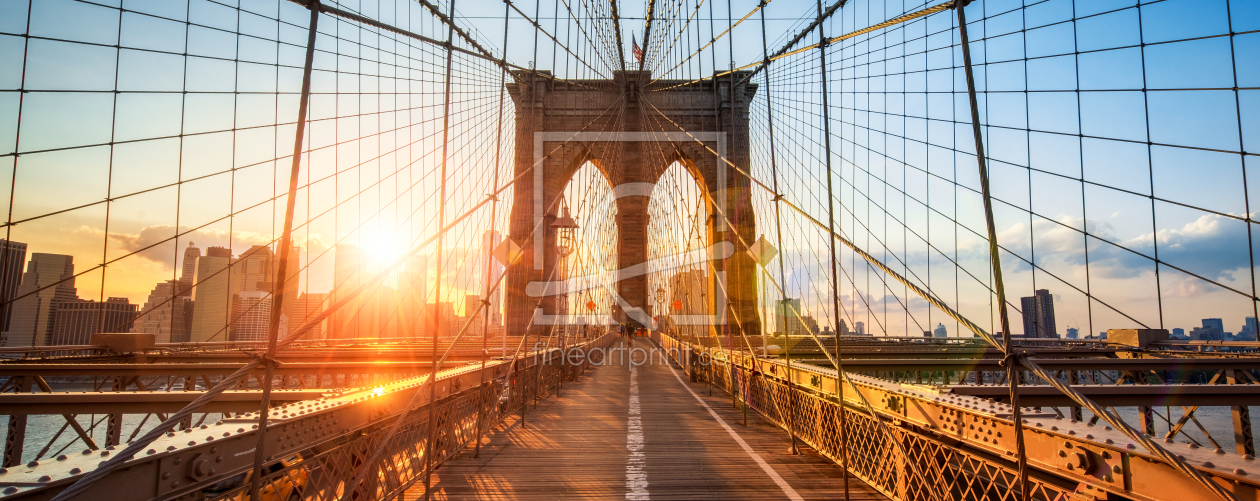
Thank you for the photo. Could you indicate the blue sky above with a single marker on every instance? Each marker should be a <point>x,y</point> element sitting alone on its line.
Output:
<point>1184,192</point>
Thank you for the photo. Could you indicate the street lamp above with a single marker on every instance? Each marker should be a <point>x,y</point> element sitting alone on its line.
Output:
<point>566,230</point>
<point>660,300</point>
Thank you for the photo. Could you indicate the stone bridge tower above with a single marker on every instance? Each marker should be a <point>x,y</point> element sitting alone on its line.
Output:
<point>633,131</point>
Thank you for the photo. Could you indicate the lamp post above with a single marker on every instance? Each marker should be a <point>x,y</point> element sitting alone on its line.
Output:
<point>660,305</point>
<point>566,243</point>
<point>566,230</point>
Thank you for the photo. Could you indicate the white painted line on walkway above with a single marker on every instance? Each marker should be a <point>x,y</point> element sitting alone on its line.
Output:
<point>787,489</point>
<point>636,476</point>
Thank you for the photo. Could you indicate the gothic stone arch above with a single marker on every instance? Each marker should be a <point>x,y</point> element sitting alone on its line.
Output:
<point>633,132</point>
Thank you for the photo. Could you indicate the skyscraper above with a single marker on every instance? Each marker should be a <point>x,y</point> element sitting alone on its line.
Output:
<point>252,317</point>
<point>1214,323</point>
<point>53,276</point>
<point>348,267</point>
<point>1248,330</point>
<point>165,313</point>
<point>413,291</point>
<point>788,316</point>
<point>1213,330</point>
<point>213,296</point>
<point>859,328</point>
<point>305,307</point>
<point>489,241</point>
<point>688,288</point>
<point>471,315</point>
<point>440,317</point>
<point>189,270</point>
<point>12,259</point>
<point>291,281</point>
<point>77,320</point>
<point>940,331</point>
<point>1038,311</point>
<point>219,252</point>
<point>256,269</point>
<point>380,315</point>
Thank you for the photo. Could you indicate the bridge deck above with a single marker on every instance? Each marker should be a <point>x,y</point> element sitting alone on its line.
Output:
<point>587,445</point>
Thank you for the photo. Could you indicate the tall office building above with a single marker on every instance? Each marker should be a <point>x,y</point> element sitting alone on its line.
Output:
<point>440,319</point>
<point>189,269</point>
<point>256,269</point>
<point>489,241</point>
<point>788,316</point>
<point>305,307</point>
<point>349,262</point>
<point>859,328</point>
<point>213,295</point>
<point>252,317</point>
<point>379,317</point>
<point>12,259</point>
<point>219,252</point>
<point>940,331</point>
<point>291,280</point>
<point>166,313</point>
<point>1213,330</point>
<point>1248,330</point>
<point>53,276</point>
<point>413,290</point>
<point>1216,323</point>
<point>471,315</point>
<point>1038,312</point>
<point>688,289</point>
<point>77,320</point>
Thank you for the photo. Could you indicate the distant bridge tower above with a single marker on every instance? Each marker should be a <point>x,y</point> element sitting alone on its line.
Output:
<point>632,133</point>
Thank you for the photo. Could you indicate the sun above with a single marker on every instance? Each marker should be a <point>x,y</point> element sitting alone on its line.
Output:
<point>381,248</point>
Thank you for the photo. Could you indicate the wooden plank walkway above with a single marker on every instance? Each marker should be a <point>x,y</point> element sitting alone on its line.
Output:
<point>638,434</point>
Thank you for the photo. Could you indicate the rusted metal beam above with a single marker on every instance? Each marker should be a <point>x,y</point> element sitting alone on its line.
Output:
<point>334,424</point>
<point>133,370</point>
<point>15,437</point>
<point>138,402</point>
<point>861,364</point>
<point>1244,441</point>
<point>979,425</point>
<point>1126,395</point>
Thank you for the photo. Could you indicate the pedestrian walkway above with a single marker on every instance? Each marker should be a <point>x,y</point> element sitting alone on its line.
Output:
<point>639,433</point>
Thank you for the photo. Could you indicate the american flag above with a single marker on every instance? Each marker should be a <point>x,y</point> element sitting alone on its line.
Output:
<point>638,51</point>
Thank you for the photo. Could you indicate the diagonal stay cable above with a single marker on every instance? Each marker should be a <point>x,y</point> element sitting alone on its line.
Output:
<point>719,212</point>
<point>1157,450</point>
<point>759,64</point>
<point>136,446</point>
<point>711,42</point>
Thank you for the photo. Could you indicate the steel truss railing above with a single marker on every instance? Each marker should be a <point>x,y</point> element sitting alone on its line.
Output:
<point>320,444</point>
<point>959,448</point>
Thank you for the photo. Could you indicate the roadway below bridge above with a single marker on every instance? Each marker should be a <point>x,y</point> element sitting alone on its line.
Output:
<point>639,433</point>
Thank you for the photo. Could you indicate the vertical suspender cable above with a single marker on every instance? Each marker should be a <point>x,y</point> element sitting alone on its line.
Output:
<point>446,131</point>
<point>736,388</point>
<point>494,204</point>
<point>286,238</point>
<point>778,225</point>
<point>1013,368</point>
<point>831,226</point>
